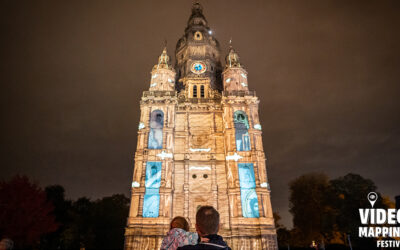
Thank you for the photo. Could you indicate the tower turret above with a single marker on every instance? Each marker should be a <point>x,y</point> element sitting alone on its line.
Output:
<point>234,75</point>
<point>163,74</point>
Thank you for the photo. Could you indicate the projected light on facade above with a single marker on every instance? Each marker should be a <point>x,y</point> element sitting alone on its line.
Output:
<point>248,193</point>
<point>156,130</point>
<point>241,131</point>
<point>151,202</point>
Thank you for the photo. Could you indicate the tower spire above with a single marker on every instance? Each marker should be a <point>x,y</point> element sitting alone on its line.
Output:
<point>232,59</point>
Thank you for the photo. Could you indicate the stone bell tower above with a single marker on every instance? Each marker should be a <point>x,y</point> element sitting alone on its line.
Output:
<point>199,143</point>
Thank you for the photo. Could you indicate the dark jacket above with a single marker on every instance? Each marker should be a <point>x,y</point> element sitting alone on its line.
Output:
<point>216,242</point>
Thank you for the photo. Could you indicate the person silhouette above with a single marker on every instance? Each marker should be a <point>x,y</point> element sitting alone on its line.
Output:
<point>207,227</point>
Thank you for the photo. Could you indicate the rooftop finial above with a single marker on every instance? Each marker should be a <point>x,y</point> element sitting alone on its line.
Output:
<point>165,46</point>
<point>197,17</point>
<point>197,7</point>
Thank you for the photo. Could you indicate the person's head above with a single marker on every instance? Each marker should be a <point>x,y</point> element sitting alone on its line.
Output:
<point>207,220</point>
<point>179,222</point>
<point>6,244</point>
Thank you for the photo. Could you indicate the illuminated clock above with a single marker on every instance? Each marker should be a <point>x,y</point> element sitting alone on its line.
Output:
<point>198,68</point>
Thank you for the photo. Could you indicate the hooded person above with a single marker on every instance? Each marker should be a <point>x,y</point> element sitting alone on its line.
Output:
<point>179,235</point>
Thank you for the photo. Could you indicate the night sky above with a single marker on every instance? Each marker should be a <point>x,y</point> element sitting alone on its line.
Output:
<point>72,73</point>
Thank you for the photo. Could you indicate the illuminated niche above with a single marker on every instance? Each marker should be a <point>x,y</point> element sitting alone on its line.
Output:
<point>151,203</point>
<point>241,131</point>
<point>248,193</point>
<point>156,130</point>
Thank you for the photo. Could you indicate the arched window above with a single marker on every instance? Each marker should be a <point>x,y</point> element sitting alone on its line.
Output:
<point>202,91</point>
<point>248,193</point>
<point>241,131</point>
<point>194,91</point>
<point>156,130</point>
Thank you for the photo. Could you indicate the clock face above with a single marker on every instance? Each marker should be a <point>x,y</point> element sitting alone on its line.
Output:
<point>198,68</point>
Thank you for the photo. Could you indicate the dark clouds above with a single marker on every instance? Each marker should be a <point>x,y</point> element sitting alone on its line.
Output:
<point>72,73</point>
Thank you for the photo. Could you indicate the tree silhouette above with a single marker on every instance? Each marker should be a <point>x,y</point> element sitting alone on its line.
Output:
<point>109,227</point>
<point>310,205</point>
<point>84,223</point>
<point>350,194</point>
<point>56,195</point>
<point>25,213</point>
<point>328,210</point>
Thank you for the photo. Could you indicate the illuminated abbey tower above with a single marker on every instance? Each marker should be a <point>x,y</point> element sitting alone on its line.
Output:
<point>199,143</point>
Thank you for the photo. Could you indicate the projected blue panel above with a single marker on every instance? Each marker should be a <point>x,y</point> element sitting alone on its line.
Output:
<point>249,203</point>
<point>156,130</point>
<point>151,203</point>
<point>242,140</point>
<point>246,175</point>
<point>153,174</point>
<point>248,193</point>
<point>155,138</point>
<point>241,131</point>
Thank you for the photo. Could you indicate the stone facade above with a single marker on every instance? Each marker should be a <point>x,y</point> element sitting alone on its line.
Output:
<point>199,143</point>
